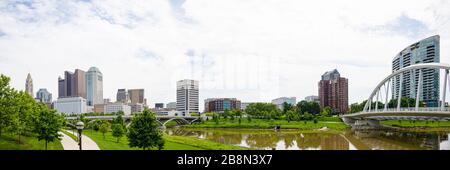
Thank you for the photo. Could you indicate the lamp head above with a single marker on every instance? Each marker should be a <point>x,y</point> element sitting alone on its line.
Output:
<point>79,125</point>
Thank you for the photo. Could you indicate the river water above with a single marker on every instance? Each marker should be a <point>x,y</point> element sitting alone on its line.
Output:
<point>315,140</point>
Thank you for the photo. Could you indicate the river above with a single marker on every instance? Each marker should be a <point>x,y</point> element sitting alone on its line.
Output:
<point>317,140</point>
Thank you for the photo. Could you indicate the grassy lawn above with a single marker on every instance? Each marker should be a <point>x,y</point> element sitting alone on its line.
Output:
<point>171,143</point>
<point>9,142</point>
<point>417,123</point>
<point>332,123</point>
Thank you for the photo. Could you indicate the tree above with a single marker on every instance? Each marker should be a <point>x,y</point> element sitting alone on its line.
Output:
<point>48,124</point>
<point>119,120</point>
<point>404,102</point>
<point>104,127</point>
<point>25,111</point>
<point>6,106</point>
<point>326,111</point>
<point>238,112</point>
<point>144,131</point>
<point>355,107</point>
<point>290,115</point>
<point>286,108</point>
<point>120,113</point>
<point>117,131</point>
<point>310,107</point>
<point>96,125</point>
<point>263,110</point>
<point>307,116</point>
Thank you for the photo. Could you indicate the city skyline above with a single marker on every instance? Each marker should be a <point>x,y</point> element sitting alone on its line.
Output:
<point>134,52</point>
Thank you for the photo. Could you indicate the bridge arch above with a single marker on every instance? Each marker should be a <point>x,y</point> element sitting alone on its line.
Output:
<point>178,120</point>
<point>399,73</point>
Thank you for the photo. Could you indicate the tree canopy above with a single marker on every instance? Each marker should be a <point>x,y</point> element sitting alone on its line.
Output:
<point>144,131</point>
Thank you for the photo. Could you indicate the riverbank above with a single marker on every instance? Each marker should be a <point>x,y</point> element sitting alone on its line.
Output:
<point>9,142</point>
<point>171,143</point>
<point>417,123</point>
<point>334,124</point>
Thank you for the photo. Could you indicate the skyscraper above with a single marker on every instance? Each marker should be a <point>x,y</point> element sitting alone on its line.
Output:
<point>122,96</point>
<point>424,51</point>
<point>333,91</point>
<point>44,96</point>
<point>74,84</point>
<point>136,96</point>
<point>187,96</point>
<point>29,85</point>
<point>94,86</point>
<point>61,87</point>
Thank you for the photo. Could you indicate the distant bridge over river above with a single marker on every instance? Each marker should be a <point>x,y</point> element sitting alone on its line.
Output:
<point>162,120</point>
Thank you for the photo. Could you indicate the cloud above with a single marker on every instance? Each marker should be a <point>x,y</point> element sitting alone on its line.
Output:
<point>253,50</point>
<point>402,25</point>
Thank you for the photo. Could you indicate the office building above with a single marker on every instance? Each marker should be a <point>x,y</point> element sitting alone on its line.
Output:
<point>122,96</point>
<point>167,112</point>
<point>94,86</point>
<point>424,51</point>
<point>136,96</point>
<point>44,96</point>
<point>71,105</point>
<point>219,105</point>
<point>279,101</point>
<point>137,107</point>
<point>29,85</point>
<point>333,91</point>
<point>61,87</point>
<point>116,107</point>
<point>73,84</point>
<point>99,108</point>
<point>159,105</point>
<point>312,98</point>
<point>187,96</point>
<point>171,105</point>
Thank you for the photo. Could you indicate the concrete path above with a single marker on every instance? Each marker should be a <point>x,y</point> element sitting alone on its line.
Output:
<point>87,143</point>
<point>68,143</point>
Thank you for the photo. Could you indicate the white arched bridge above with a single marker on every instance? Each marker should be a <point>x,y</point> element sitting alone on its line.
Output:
<point>372,112</point>
<point>162,120</point>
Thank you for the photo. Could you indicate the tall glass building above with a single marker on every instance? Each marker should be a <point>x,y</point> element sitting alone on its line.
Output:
<point>424,51</point>
<point>94,86</point>
<point>187,96</point>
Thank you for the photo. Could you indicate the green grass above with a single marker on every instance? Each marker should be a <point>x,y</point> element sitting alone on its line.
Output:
<point>199,143</point>
<point>171,143</point>
<point>10,142</point>
<point>71,135</point>
<point>332,123</point>
<point>417,123</point>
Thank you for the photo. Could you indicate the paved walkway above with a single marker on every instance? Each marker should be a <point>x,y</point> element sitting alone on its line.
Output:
<point>70,144</point>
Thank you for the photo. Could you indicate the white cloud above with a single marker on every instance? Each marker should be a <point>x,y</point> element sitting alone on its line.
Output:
<point>253,50</point>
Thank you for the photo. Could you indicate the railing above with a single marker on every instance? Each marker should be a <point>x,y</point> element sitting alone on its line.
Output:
<point>410,109</point>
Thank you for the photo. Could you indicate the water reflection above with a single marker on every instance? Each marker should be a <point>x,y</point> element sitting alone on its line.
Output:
<point>297,140</point>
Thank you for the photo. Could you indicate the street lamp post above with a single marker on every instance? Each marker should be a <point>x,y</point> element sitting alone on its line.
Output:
<point>79,126</point>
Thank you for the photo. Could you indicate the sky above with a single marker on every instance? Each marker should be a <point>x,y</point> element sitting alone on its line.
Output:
<point>253,50</point>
